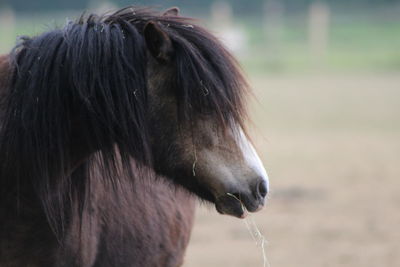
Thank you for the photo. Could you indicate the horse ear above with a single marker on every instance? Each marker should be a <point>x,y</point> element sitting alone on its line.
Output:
<point>158,42</point>
<point>171,12</point>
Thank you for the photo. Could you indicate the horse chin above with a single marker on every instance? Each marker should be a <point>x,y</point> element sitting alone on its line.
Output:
<point>237,205</point>
<point>230,205</point>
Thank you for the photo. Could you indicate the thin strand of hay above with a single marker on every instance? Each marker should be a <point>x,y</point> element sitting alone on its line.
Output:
<point>195,161</point>
<point>258,238</point>
<point>254,231</point>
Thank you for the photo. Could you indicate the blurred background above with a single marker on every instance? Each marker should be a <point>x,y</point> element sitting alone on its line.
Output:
<point>326,121</point>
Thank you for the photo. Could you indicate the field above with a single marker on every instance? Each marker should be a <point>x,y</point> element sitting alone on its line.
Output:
<point>331,145</point>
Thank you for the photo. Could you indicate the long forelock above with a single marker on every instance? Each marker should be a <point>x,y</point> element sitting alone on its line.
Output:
<point>208,79</point>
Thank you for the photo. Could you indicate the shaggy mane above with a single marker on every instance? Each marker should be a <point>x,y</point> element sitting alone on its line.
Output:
<point>89,79</point>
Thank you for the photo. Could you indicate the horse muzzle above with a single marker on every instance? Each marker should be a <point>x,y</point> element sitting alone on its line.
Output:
<point>239,203</point>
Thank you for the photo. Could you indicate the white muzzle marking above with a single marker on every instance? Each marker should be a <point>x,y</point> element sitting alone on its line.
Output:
<point>251,157</point>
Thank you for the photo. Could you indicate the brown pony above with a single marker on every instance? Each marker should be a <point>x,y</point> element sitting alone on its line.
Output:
<point>109,126</point>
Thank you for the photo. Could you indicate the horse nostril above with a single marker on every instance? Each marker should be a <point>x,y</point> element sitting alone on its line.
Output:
<point>262,189</point>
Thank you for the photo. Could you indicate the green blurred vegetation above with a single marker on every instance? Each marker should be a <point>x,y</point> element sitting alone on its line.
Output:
<point>203,5</point>
<point>364,37</point>
<point>356,43</point>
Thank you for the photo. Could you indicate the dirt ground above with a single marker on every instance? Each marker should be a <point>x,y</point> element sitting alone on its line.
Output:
<point>331,145</point>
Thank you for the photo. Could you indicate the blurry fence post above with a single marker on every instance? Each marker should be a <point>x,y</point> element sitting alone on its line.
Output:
<point>231,34</point>
<point>221,14</point>
<point>7,28</point>
<point>273,30</point>
<point>318,31</point>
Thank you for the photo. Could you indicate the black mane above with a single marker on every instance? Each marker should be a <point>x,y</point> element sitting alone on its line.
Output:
<point>90,76</point>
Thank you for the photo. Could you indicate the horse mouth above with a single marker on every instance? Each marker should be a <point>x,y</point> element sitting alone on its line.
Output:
<point>235,205</point>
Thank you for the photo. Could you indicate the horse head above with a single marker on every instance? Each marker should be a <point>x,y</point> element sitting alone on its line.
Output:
<point>197,112</point>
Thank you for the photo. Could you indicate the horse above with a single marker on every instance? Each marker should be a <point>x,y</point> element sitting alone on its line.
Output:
<point>109,127</point>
